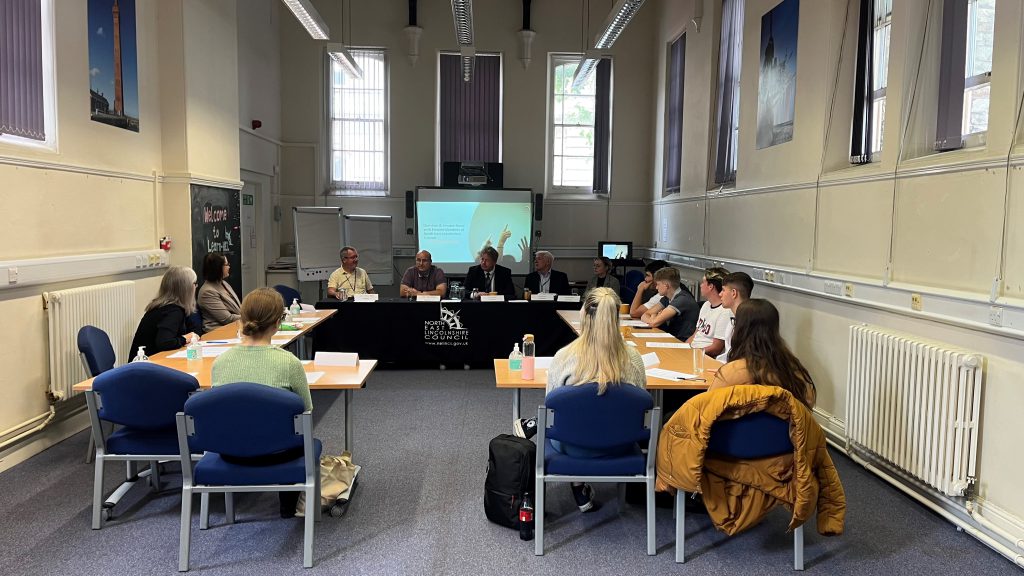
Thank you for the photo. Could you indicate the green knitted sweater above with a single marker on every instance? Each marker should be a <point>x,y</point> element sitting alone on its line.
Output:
<point>268,365</point>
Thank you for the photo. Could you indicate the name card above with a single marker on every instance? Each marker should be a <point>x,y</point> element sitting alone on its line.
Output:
<point>668,345</point>
<point>366,297</point>
<point>307,308</point>
<point>543,297</point>
<point>336,359</point>
<point>491,298</point>
<point>651,359</point>
<point>428,298</point>
<point>564,298</point>
<point>542,362</point>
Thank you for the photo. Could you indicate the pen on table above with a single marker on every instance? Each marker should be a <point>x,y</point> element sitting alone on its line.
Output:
<point>215,341</point>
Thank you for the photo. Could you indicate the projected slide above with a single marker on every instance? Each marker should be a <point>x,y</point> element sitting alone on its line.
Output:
<point>454,231</point>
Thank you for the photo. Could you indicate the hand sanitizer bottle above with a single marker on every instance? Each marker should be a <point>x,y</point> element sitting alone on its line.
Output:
<point>140,356</point>
<point>295,308</point>
<point>515,359</point>
<point>194,354</point>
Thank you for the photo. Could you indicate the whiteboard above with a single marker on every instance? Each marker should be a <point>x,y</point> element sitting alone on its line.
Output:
<point>371,236</point>
<point>319,236</point>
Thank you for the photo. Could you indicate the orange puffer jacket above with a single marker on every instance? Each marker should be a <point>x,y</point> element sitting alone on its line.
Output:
<point>739,493</point>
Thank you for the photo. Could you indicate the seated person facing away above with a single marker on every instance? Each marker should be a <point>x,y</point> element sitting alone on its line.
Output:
<point>543,278</point>
<point>759,355</point>
<point>646,293</point>
<point>423,278</point>
<point>488,276</point>
<point>599,355</point>
<point>217,299</point>
<point>164,325</point>
<point>736,289</point>
<point>677,311</point>
<point>602,277</point>
<point>350,277</point>
<point>714,319</point>
<point>256,360</point>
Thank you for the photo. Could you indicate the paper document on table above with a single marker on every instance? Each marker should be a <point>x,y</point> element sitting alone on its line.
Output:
<point>634,323</point>
<point>670,374</point>
<point>281,342</point>
<point>304,362</point>
<point>541,362</point>
<point>651,359</point>
<point>630,343</point>
<point>652,335</point>
<point>668,345</point>
<point>428,298</point>
<point>312,377</point>
<point>307,308</point>
<point>208,352</point>
<point>492,298</point>
<point>543,297</point>
<point>336,359</point>
<point>287,333</point>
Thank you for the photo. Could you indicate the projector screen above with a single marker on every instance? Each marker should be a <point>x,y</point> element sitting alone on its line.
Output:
<point>455,224</point>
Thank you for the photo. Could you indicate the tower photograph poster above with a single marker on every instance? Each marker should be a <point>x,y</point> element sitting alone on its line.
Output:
<point>776,91</point>
<point>113,64</point>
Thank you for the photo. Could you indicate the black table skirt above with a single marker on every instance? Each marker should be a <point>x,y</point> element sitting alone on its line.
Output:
<point>409,333</point>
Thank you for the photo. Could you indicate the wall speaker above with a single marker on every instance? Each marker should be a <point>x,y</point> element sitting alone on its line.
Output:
<point>410,204</point>
<point>538,207</point>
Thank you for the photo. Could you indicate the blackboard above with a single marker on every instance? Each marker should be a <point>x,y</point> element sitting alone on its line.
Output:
<point>216,227</point>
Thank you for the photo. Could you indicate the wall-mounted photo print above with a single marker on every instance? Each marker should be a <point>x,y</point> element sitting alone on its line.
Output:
<point>113,64</point>
<point>776,93</point>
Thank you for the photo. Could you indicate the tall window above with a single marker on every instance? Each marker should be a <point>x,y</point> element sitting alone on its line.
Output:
<point>965,72</point>
<point>469,113</point>
<point>359,126</point>
<point>27,113</point>
<point>674,116</point>
<point>882,27</point>
<point>727,118</point>
<point>871,81</point>
<point>579,129</point>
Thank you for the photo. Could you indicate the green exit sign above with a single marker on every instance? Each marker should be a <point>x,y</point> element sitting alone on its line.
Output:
<point>246,199</point>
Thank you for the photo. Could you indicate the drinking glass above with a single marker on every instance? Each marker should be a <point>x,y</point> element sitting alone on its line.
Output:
<point>698,359</point>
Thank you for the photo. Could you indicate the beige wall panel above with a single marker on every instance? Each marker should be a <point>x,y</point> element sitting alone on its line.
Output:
<point>55,213</point>
<point>854,228</point>
<point>574,223</point>
<point>256,154</point>
<point>1013,273</point>
<point>259,65</point>
<point>948,229</point>
<point>774,228</point>
<point>681,227</point>
<point>298,171</point>
<point>630,222</point>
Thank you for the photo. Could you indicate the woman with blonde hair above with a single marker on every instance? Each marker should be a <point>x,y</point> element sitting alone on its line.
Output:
<point>165,323</point>
<point>598,355</point>
<point>256,360</point>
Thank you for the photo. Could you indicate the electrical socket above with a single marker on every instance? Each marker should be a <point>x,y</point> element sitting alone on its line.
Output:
<point>848,290</point>
<point>995,315</point>
<point>12,275</point>
<point>915,302</point>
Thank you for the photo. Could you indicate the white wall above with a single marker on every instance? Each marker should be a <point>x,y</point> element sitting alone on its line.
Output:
<point>943,225</point>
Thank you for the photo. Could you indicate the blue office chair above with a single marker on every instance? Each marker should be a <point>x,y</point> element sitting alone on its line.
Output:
<point>629,285</point>
<point>194,322</point>
<point>615,419</point>
<point>288,294</point>
<point>257,438</point>
<point>754,436</point>
<point>96,351</point>
<point>142,398</point>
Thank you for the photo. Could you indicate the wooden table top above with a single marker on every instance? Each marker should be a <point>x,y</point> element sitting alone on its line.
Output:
<point>506,379</point>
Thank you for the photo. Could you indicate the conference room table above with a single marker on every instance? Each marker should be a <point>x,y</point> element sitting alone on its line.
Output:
<point>407,332</point>
<point>678,360</point>
<point>331,378</point>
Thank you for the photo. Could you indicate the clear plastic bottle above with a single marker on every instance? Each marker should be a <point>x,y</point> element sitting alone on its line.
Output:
<point>140,356</point>
<point>194,354</point>
<point>287,316</point>
<point>515,359</point>
<point>529,351</point>
<point>295,309</point>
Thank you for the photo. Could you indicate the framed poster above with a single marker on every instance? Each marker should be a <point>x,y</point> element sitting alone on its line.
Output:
<point>776,91</point>
<point>113,64</point>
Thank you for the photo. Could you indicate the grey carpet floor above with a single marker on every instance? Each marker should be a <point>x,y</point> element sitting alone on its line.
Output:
<point>421,437</point>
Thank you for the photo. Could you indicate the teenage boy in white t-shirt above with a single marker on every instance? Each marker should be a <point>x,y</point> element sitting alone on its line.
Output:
<point>736,289</point>
<point>714,319</point>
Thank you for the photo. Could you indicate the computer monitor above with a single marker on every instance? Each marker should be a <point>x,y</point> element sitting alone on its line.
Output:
<point>615,250</point>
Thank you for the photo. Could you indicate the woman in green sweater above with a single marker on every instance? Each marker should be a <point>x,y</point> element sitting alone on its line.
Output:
<point>255,359</point>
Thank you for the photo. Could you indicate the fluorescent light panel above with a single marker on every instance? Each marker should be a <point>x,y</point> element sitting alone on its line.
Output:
<point>310,19</point>
<point>622,12</point>
<point>462,12</point>
<point>468,62</point>
<point>342,56</point>
<point>583,71</point>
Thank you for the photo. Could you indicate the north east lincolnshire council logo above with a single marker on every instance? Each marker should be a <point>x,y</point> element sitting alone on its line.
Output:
<point>446,331</point>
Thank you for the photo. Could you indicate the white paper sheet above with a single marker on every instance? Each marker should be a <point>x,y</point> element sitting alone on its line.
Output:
<point>543,297</point>
<point>366,297</point>
<point>451,300</point>
<point>669,374</point>
<point>652,335</point>
<point>564,298</point>
<point>491,298</point>
<point>208,352</point>
<point>629,343</point>
<point>634,323</point>
<point>287,333</point>
<point>668,345</point>
<point>304,362</point>
<point>541,362</point>
<point>651,359</point>
<point>519,301</point>
<point>312,377</point>
<point>428,298</point>
<point>336,359</point>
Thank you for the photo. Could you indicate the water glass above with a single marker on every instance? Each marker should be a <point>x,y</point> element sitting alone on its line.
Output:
<point>698,359</point>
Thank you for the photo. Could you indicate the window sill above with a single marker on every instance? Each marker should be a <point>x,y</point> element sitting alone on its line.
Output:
<point>357,193</point>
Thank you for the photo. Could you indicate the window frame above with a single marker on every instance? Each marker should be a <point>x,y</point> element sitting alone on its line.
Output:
<point>556,59</point>
<point>342,187</point>
<point>438,161</point>
<point>882,23</point>
<point>975,81</point>
<point>670,106</point>
<point>725,176</point>
<point>48,39</point>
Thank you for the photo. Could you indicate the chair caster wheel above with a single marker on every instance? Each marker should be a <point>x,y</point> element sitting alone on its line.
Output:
<point>105,514</point>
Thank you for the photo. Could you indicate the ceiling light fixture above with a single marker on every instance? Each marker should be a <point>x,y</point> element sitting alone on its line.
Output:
<point>310,19</point>
<point>468,62</point>
<point>583,71</point>
<point>462,13</point>
<point>622,12</point>
<point>342,56</point>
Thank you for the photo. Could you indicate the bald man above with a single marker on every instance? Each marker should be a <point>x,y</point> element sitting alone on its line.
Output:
<point>543,278</point>
<point>424,278</point>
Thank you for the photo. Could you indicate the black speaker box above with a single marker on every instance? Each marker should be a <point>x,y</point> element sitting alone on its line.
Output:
<point>538,207</point>
<point>410,204</point>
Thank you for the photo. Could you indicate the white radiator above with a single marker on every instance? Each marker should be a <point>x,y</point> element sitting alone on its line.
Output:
<point>110,307</point>
<point>915,404</point>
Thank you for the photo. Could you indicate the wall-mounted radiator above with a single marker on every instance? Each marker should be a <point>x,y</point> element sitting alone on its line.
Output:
<point>915,404</point>
<point>110,307</point>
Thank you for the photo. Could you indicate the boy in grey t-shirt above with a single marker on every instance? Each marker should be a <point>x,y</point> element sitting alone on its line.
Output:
<point>676,312</point>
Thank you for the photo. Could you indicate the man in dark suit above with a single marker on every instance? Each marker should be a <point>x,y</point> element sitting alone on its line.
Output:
<point>543,278</point>
<point>489,277</point>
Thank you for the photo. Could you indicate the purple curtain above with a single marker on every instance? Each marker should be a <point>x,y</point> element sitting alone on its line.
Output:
<point>602,126</point>
<point>470,121</point>
<point>674,129</point>
<point>863,86</point>
<point>21,69</point>
<point>953,60</point>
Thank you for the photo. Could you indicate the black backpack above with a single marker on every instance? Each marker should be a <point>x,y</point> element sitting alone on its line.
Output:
<point>510,474</point>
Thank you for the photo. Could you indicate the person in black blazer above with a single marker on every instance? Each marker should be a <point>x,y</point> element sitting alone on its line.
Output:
<point>501,277</point>
<point>543,278</point>
<point>165,323</point>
